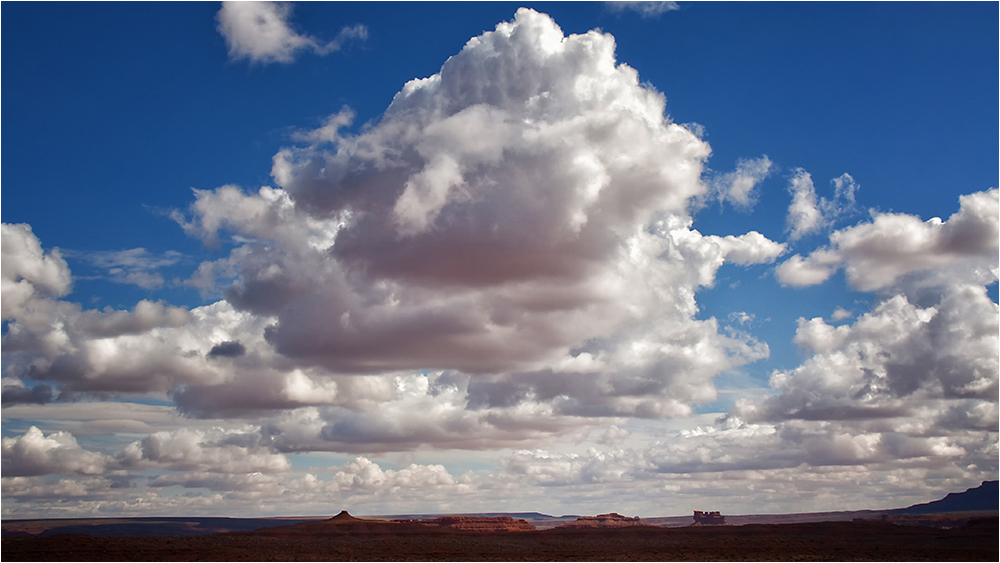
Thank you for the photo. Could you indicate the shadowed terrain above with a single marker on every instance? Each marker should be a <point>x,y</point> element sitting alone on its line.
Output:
<point>838,541</point>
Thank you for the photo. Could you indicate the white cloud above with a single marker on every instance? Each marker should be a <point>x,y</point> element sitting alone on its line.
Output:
<point>136,266</point>
<point>422,286</point>
<point>807,213</point>
<point>34,453</point>
<point>739,187</point>
<point>521,285</point>
<point>840,314</point>
<point>260,32</point>
<point>741,317</point>
<point>29,273</point>
<point>33,488</point>
<point>902,382</point>
<point>647,9</point>
<point>879,254</point>
<point>215,450</point>
<point>751,248</point>
<point>804,215</point>
<point>896,248</point>
<point>434,246</point>
<point>814,269</point>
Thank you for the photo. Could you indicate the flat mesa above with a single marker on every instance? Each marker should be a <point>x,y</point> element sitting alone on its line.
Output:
<point>709,519</point>
<point>480,523</point>
<point>610,520</point>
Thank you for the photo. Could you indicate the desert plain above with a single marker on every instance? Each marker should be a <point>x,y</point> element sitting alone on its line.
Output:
<point>344,538</point>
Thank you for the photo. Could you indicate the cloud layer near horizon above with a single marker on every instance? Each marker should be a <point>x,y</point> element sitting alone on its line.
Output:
<point>422,285</point>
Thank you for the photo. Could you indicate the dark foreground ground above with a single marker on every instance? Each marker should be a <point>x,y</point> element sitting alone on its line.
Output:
<point>828,541</point>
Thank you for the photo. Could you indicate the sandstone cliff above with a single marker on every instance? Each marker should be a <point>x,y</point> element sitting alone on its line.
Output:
<point>479,524</point>
<point>612,520</point>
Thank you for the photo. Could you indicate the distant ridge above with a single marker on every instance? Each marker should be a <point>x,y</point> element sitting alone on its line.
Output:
<point>343,524</point>
<point>981,498</point>
<point>610,520</point>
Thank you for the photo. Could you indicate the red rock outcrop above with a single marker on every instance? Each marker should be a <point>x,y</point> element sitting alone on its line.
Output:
<point>343,524</point>
<point>479,524</point>
<point>709,519</point>
<point>612,520</point>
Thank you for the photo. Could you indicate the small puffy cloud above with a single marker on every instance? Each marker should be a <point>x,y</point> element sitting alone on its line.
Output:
<point>34,453</point>
<point>260,32</point>
<point>647,9</point>
<point>808,213</point>
<point>751,248</point>
<point>840,314</point>
<point>804,215</point>
<point>739,187</point>
<point>814,269</point>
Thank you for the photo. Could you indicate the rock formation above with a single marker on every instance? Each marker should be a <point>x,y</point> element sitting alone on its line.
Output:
<point>709,519</point>
<point>343,524</point>
<point>612,520</point>
<point>478,523</point>
<point>343,517</point>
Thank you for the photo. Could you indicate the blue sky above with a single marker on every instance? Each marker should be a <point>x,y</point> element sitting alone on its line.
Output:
<point>525,284</point>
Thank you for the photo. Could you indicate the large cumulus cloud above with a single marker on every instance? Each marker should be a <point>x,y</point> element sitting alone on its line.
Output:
<point>507,253</point>
<point>507,217</point>
<point>508,249</point>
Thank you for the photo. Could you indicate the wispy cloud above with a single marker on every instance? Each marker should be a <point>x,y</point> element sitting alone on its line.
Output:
<point>808,213</point>
<point>739,187</point>
<point>261,32</point>
<point>134,266</point>
<point>647,9</point>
